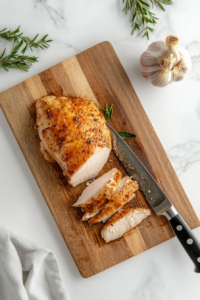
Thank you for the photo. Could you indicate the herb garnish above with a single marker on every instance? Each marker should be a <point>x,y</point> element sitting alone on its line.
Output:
<point>108,110</point>
<point>17,37</point>
<point>126,135</point>
<point>141,15</point>
<point>15,61</point>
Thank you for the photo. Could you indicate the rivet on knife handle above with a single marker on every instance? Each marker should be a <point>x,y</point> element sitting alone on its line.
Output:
<point>156,197</point>
<point>185,236</point>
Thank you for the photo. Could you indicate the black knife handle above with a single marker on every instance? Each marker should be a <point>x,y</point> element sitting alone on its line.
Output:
<point>187,239</point>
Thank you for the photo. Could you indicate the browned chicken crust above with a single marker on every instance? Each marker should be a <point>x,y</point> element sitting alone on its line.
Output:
<point>116,202</point>
<point>72,130</point>
<point>93,204</point>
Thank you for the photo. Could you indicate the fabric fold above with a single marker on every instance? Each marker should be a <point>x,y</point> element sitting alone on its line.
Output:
<point>28,271</point>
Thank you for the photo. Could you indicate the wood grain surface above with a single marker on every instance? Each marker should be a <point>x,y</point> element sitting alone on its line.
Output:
<point>95,74</point>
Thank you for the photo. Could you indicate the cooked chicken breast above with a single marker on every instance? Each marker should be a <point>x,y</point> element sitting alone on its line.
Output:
<point>45,154</point>
<point>123,194</point>
<point>122,222</point>
<point>98,192</point>
<point>75,135</point>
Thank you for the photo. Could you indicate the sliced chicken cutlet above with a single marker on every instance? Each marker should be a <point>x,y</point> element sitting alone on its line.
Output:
<point>123,194</point>
<point>122,222</point>
<point>98,192</point>
<point>74,134</point>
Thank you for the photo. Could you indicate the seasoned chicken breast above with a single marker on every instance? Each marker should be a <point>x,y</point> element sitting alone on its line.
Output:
<point>122,222</point>
<point>98,192</point>
<point>123,194</point>
<point>45,154</point>
<point>74,134</point>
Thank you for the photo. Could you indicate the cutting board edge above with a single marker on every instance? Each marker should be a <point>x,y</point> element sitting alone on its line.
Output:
<point>53,66</point>
<point>133,256</point>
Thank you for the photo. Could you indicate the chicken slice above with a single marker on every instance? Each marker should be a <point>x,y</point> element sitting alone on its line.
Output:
<point>123,194</point>
<point>123,222</point>
<point>98,192</point>
<point>75,135</point>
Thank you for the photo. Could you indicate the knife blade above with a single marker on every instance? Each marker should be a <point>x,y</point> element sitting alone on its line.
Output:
<point>155,196</point>
<point>134,167</point>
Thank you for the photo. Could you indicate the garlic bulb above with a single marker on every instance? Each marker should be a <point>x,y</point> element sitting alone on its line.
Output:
<point>162,63</point>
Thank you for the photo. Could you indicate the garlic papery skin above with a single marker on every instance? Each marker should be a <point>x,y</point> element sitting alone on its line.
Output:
<point>164,62</point>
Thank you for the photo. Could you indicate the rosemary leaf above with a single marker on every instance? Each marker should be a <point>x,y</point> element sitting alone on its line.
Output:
<point>108,111</point>
<point>126,135</point>
<point>15,61</point>
<point>18,37</point>
<point>141,15</point>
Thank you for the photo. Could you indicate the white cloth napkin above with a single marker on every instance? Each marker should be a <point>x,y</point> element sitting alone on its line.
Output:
<point>28,271</point>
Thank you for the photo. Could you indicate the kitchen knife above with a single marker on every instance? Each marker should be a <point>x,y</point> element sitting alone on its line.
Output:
<point>156,197</point>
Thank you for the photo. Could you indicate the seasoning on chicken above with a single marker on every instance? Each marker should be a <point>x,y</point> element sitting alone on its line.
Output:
<point>122,222</point>
<point>98,192</point>
<point>74,134</point>
<point>123,194</point>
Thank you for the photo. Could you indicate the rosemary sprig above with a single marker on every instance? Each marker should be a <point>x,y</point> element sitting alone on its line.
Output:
<point>18,37</point>
<point>108,111</point>
<point>15,61</point>
<point>126,135</point>
<point>141,15</point>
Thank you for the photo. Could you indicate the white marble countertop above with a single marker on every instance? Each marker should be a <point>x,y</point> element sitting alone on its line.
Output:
<point>164,272</point>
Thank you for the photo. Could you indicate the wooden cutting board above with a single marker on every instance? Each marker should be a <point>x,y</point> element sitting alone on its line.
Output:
<point>95,74</point>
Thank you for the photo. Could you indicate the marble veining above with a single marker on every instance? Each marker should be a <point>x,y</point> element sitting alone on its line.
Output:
<point>183,156</point>
<point>54,10</point>
<point>149,287</point>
